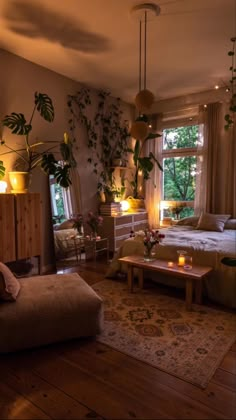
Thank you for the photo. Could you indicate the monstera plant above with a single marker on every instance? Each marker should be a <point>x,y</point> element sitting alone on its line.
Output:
<point>39,153</point>
<point>144,164</point>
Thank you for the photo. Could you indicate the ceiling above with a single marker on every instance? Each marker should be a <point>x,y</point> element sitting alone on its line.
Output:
<point>96,42</point>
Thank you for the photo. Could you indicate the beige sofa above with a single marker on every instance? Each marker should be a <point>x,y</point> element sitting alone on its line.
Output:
<point>49,309</point>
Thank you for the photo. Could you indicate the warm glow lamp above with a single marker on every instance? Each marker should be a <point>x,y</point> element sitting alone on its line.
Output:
<point>124,205</point>
<point>3,186</point>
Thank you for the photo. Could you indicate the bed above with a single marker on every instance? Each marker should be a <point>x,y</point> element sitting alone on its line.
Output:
<point>206,247</point>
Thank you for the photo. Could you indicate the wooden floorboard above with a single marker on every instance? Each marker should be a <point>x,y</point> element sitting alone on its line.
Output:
<point>86,379</point>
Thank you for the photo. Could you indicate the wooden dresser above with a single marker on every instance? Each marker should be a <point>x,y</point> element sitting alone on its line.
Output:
<point>117,228</point>
<point>20,226</point>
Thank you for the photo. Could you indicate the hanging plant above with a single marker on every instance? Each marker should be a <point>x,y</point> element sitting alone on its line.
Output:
<point>229,117</point>
<point>107,133</point>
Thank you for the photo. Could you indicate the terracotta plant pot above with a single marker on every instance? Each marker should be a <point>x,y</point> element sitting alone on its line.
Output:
<point>20,182</point>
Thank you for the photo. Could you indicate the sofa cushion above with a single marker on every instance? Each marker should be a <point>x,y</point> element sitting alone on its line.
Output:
<point>49,309</point>
<point>9,285</point>
<point>67,224</point>
<point>213,222</point>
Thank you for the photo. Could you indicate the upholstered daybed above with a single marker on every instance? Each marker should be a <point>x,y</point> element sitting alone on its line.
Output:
<point>46,309</point>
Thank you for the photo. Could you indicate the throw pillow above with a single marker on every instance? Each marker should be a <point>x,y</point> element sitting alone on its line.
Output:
<point>188,221</point>
<point>230,224</point>
<point>213,222</point>
<point>9,285</point>
<point>67,224</point>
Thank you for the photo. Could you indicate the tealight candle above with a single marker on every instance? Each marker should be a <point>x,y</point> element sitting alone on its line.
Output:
<point>181,261</point>
<point>181,258</point>
<point>170,264</point>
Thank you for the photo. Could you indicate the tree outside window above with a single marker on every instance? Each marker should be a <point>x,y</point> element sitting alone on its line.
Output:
<point>179,165</point>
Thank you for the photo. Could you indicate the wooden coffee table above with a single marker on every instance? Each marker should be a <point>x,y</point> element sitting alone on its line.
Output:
<point>195,275</point>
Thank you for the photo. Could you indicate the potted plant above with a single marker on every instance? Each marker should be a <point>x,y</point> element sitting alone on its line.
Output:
<point>107,139</point>
<point>145,164</point>
<point>33,154</point>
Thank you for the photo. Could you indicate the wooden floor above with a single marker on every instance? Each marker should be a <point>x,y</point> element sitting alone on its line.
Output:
<point>84,379</point>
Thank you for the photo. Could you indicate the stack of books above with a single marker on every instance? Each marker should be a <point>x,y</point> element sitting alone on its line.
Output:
<point>110,209</point>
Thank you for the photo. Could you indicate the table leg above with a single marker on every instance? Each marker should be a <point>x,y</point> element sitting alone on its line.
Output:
<point>107,250</point>
<point>140,278</point>
<point>39,264</point>
<point>188,294</point>
<point>198,291</point>
<point>130,278</point>
<point>76,250</point>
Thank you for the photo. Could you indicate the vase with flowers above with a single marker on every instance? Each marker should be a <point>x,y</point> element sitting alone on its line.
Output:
<point>78,223</point>
<point>151,238</point>
<point>94,221</point>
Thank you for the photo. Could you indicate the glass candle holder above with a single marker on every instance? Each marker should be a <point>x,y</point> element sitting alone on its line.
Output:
<point>188,262</point>
<point>181,258</point>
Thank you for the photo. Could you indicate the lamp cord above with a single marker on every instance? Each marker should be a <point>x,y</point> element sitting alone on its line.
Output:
<point>145,50</point>
<point>140,55</point>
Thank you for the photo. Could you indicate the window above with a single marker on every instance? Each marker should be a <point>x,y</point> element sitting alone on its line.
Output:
<point>179,154</point>
<point>60,201</point>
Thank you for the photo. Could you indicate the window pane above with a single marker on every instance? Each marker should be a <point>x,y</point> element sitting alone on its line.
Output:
<point>180,137</point>
<point>179,178</point>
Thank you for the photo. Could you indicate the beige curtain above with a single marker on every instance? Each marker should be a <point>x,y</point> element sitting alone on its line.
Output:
<point>216,171</point>
<point>230,169</point>
<point>75,192</point>
<point>153,185</point>
<point>201,172</point>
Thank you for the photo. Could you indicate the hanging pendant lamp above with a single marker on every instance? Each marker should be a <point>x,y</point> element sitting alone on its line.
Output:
<point>144,98</point>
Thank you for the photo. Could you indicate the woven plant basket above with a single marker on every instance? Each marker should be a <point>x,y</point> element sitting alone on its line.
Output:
<point>136,203</point>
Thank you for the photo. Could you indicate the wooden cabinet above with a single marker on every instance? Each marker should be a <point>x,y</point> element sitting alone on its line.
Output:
<point>117,228</point>
<point>20,226</point>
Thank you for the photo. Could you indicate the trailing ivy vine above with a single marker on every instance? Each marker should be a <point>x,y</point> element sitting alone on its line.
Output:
<point>229,117</point>
<point>107,132</point>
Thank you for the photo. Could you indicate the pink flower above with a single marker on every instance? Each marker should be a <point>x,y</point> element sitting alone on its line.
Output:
<point>152,237</point>
<point>94,221</point>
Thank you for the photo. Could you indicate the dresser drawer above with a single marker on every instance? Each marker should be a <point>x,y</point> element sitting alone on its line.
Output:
<point>124,230</point>
<point>140,217</point>
<point>140,226</point>
<point>123,220</point>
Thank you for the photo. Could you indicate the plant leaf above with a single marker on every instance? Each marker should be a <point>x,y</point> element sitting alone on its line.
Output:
<point>45,106</point>
<point>62,176</point>
<point>153,136</point>
<point>17,124</point>
<point>230,261</point>
<point>155,160</point>
<point>136,152</point>
<point>2,170</point>
<point>48,164</point>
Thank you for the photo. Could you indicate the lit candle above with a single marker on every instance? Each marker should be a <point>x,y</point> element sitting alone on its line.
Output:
<point>170,264</point>
<point>181,261</point>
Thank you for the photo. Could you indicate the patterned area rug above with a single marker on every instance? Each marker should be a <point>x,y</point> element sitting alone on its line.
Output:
<point>157,329</point>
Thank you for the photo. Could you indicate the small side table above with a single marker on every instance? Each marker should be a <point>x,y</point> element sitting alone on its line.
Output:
<point>95,246</point>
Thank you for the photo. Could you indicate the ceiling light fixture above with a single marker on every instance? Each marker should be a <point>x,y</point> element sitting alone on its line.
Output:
<point>144,98</point>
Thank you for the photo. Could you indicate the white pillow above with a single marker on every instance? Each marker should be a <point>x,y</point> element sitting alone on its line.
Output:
<point>213,222</point>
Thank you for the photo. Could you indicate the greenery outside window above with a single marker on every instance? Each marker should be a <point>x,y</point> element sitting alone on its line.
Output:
<point>60,201</point>
<point>179,154</point>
